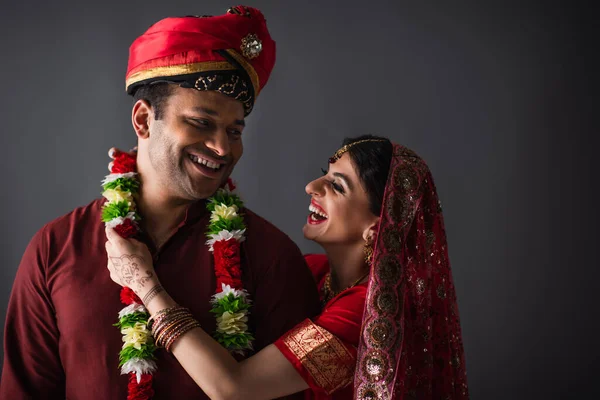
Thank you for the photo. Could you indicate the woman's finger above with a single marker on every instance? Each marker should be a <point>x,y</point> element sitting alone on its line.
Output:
<point>113,237</point>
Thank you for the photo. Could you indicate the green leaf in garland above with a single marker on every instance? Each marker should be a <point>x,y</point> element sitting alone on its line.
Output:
<point>111,211</point>
<point>233,224</point>
<point>226,198</point>
<point>230,303</point>
<point>129,320</point>
<point>124,185</point>
<point>129,352</point>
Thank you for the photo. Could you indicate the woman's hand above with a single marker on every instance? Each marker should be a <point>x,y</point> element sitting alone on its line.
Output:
<point>130,263</point>
<point>113,151</point>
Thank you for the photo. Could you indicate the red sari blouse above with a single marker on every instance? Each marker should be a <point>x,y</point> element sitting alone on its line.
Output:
<point>323,349</point>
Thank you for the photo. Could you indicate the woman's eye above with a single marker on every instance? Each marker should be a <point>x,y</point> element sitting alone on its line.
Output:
<point>337,187</point>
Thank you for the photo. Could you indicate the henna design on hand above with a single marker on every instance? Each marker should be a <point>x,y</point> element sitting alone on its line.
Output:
<point>128,269</point>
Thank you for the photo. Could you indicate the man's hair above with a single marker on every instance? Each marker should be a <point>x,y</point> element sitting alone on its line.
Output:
<point>156,95</point>
<point>372,161</point>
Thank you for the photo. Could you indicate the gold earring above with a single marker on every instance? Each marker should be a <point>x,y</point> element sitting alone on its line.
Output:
<point>368,250</point>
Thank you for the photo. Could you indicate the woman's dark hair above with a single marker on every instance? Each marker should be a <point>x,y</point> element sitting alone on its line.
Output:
<point>156,95</point>
<point>372,162</point>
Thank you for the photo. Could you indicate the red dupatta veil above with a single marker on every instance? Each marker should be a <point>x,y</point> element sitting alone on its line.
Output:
<point>411,345</point>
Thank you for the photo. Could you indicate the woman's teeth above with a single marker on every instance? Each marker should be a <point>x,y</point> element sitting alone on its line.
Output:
<point>317,213</point>
<point>204,162</point>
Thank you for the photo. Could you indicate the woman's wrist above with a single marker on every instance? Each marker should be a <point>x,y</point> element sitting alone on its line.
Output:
<point>153,290</point>
<point>157,299</point>
<point>143,290</point>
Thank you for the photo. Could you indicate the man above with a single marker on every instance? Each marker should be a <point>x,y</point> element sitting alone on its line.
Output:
<point>194,80</point>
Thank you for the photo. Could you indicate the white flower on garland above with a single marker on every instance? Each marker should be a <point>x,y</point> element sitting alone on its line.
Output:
<point>114,177</point>
<point>224,212</point>
<point>139,366</point>
<point>237,234</point>
<point>226,290</point>
<point>132,308</point>
<point>136,336</point>
<point>119,220</point>
<point>232,323</point>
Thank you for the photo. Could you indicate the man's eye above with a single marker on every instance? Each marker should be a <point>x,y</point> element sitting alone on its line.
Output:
<point>235,134</point>
<point>201,123</point>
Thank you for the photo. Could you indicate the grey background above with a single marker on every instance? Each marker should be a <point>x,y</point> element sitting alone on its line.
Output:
<point>499,98</point>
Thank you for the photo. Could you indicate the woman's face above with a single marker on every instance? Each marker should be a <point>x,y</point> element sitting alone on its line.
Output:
<point>339,209</point>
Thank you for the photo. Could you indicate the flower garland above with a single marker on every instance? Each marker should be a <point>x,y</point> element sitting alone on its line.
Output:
<point>119,212</point>
<point>231,302</point>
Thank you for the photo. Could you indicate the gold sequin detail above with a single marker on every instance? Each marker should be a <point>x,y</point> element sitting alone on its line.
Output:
<point>430,238</point>
<point>420,286</point>
<point>374,391</point>
<point>375,365</point>
<point>399,208</point>
<point>233,87</point>
<point>389,269</point>
<point>380,333</point>
<point>392,239</point>
<point>441,291</point>
<point>407,179</point>
<point>385,301</point>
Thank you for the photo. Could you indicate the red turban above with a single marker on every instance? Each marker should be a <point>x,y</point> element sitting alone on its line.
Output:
<point>232,53</point>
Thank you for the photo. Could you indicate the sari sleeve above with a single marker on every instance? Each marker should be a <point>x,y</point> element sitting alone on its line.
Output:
<point>323,350</point>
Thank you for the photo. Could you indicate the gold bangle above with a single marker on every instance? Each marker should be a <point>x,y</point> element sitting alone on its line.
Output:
<point>179,332</point>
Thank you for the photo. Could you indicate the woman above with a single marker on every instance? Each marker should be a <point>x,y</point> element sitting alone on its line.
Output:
<point>389,328</point>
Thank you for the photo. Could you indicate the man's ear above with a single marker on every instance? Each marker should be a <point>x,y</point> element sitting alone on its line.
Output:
<point>141,115</point>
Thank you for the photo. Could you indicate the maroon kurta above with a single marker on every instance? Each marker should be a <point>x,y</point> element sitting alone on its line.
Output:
<point>59,338</point>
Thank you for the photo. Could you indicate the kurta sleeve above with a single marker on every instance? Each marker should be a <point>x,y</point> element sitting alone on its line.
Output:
<point>32,368</point>
<point>323,350</point>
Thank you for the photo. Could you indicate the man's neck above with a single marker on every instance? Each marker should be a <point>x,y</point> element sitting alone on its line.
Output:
<point>161,214</point>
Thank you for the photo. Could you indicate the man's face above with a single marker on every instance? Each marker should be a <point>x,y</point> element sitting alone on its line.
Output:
<point>194,147</point>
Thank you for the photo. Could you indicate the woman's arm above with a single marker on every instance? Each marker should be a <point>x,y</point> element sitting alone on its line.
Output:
<point>266,375</point>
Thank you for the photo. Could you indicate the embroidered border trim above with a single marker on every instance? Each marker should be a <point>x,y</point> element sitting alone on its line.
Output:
<point>323,355</point>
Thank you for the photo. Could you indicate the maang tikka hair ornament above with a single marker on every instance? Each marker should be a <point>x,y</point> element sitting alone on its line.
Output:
<point>338,154</point>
